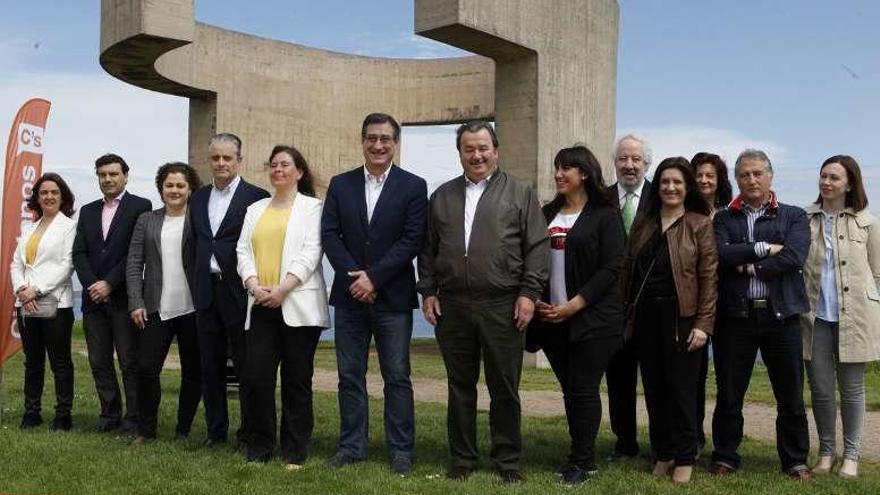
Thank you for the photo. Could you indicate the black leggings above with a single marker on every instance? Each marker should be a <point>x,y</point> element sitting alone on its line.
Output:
<point>579,367</point>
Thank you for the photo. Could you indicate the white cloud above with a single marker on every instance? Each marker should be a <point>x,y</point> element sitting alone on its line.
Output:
<point>791,181</point>
<point>93,114</point>
<point>429,151</point>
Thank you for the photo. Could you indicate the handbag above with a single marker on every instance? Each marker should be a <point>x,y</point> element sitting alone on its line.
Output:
<point>47,307</point>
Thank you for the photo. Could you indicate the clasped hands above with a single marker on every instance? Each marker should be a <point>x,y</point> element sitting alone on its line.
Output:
<point>362,287</point>
<point>271,296</point>
<point>27,296</point>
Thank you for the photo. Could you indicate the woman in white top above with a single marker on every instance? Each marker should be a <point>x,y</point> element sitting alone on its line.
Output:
<point>279,261</point>
<point>41,278</point>
<point>158,276</point>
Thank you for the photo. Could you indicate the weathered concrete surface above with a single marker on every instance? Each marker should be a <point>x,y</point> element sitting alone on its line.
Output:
<point>545,71</point>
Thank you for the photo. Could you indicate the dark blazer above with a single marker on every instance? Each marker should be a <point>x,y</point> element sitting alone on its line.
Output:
<point>97,259</point>
<point>222,246</point>
<point>594,250</point>
<point>143,270</point>
<point>384,247</point>
<point>643,199</point>
<point>783,273</point>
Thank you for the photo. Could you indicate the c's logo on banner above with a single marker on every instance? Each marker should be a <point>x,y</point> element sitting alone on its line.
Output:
<point>30,138</point>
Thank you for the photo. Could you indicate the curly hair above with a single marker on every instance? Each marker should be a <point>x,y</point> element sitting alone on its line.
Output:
<point>67,199</point>
<point>192,177</point>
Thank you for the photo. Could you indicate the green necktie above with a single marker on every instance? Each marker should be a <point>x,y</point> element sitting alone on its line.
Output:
<point>629,212</point>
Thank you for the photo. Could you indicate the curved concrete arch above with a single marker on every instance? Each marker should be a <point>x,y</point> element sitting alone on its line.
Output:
<point>269,91</point>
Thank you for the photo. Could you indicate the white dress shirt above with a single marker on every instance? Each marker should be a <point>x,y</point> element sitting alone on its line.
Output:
<point>472,194</point>
<point>373,188</point>
<point>637,194</point>
<point>175,299</point>
<point>218,204</point>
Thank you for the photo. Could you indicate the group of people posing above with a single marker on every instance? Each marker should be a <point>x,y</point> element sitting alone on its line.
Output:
<point>607,280</point>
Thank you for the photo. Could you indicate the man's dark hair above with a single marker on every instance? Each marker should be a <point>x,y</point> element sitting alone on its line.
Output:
<point>111,158</point>
<point>473,127</point>
<point>380,118</point>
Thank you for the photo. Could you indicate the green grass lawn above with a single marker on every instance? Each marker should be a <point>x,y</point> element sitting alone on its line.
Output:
<point>85,462</point>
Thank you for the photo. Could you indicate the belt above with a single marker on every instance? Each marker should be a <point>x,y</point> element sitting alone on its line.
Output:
<point>759,304</point>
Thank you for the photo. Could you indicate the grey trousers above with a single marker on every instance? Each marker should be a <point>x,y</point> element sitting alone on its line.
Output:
<point>825,371</point>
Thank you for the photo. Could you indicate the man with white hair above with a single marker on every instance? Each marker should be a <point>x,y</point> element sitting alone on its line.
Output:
<point>632,159</point>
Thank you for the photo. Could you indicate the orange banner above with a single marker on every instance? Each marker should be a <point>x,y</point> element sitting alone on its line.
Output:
<point>24,165</point>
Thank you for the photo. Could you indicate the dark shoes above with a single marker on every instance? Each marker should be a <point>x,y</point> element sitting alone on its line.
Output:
<point>720,469</point>
<point>459,473</point>
<point>128,427</point>
<point>212,443</point>
<point>401,465</point>
<point>341,460</point>
<point>575,475</point>
<point>108,426</point>
<point>61,423</point>
<point>802,474</point>
<point>511,476</point>
<point>31,420</point>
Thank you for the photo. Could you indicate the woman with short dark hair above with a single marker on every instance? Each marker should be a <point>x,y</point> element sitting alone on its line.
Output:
<point>841,333</point>
<point>159,274</point>
<point>41,271</point>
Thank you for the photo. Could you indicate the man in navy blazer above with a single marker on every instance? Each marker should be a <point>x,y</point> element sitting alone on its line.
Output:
<point>373,225</point>
<point>216,213</point>
<point>100,249</point>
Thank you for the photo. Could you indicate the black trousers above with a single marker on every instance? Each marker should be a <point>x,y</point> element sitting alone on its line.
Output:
<point>271,342</point>
<point>154,342</point>
<point>737,343</point>
<point>467,332</point>
<point>622,378</point>
<point>579,367</point>
<point>107,329</point>
<point>41,337</point>
<point>221,332</point>
<point>669,374</point>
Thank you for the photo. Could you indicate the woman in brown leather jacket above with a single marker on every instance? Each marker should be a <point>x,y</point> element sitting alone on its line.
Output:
<point>670,286</point>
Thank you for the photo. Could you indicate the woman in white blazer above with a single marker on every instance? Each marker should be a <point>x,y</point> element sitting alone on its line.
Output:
<point>279,261</point>
<point>41,272</point>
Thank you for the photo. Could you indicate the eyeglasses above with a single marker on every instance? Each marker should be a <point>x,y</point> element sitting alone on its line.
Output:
<point>383,139</point>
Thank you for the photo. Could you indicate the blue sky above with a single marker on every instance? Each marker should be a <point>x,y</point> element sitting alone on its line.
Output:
<point>798,78</point>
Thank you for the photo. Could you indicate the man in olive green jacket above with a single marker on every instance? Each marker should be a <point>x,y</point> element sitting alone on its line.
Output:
<point>486,258</point>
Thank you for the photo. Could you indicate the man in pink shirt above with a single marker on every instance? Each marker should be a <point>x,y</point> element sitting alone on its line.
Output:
<point>99,255</point>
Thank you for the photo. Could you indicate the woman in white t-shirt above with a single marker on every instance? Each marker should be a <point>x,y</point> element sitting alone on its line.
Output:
<point>158,277</point>
<point>581,314</point>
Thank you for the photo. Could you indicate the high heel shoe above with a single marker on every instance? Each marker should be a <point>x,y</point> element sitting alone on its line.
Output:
<point>825,464</point>
<point>849,469</point>
<point>682,474</point>
<point>661,468</point>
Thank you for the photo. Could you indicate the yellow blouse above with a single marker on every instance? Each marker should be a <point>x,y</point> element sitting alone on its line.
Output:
<point>268,243</point>
<point>30,249</point>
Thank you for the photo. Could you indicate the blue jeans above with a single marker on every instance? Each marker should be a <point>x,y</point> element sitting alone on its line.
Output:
<point>354,328</point>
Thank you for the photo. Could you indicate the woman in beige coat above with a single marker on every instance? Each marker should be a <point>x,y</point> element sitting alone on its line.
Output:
<point>842,332</point>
